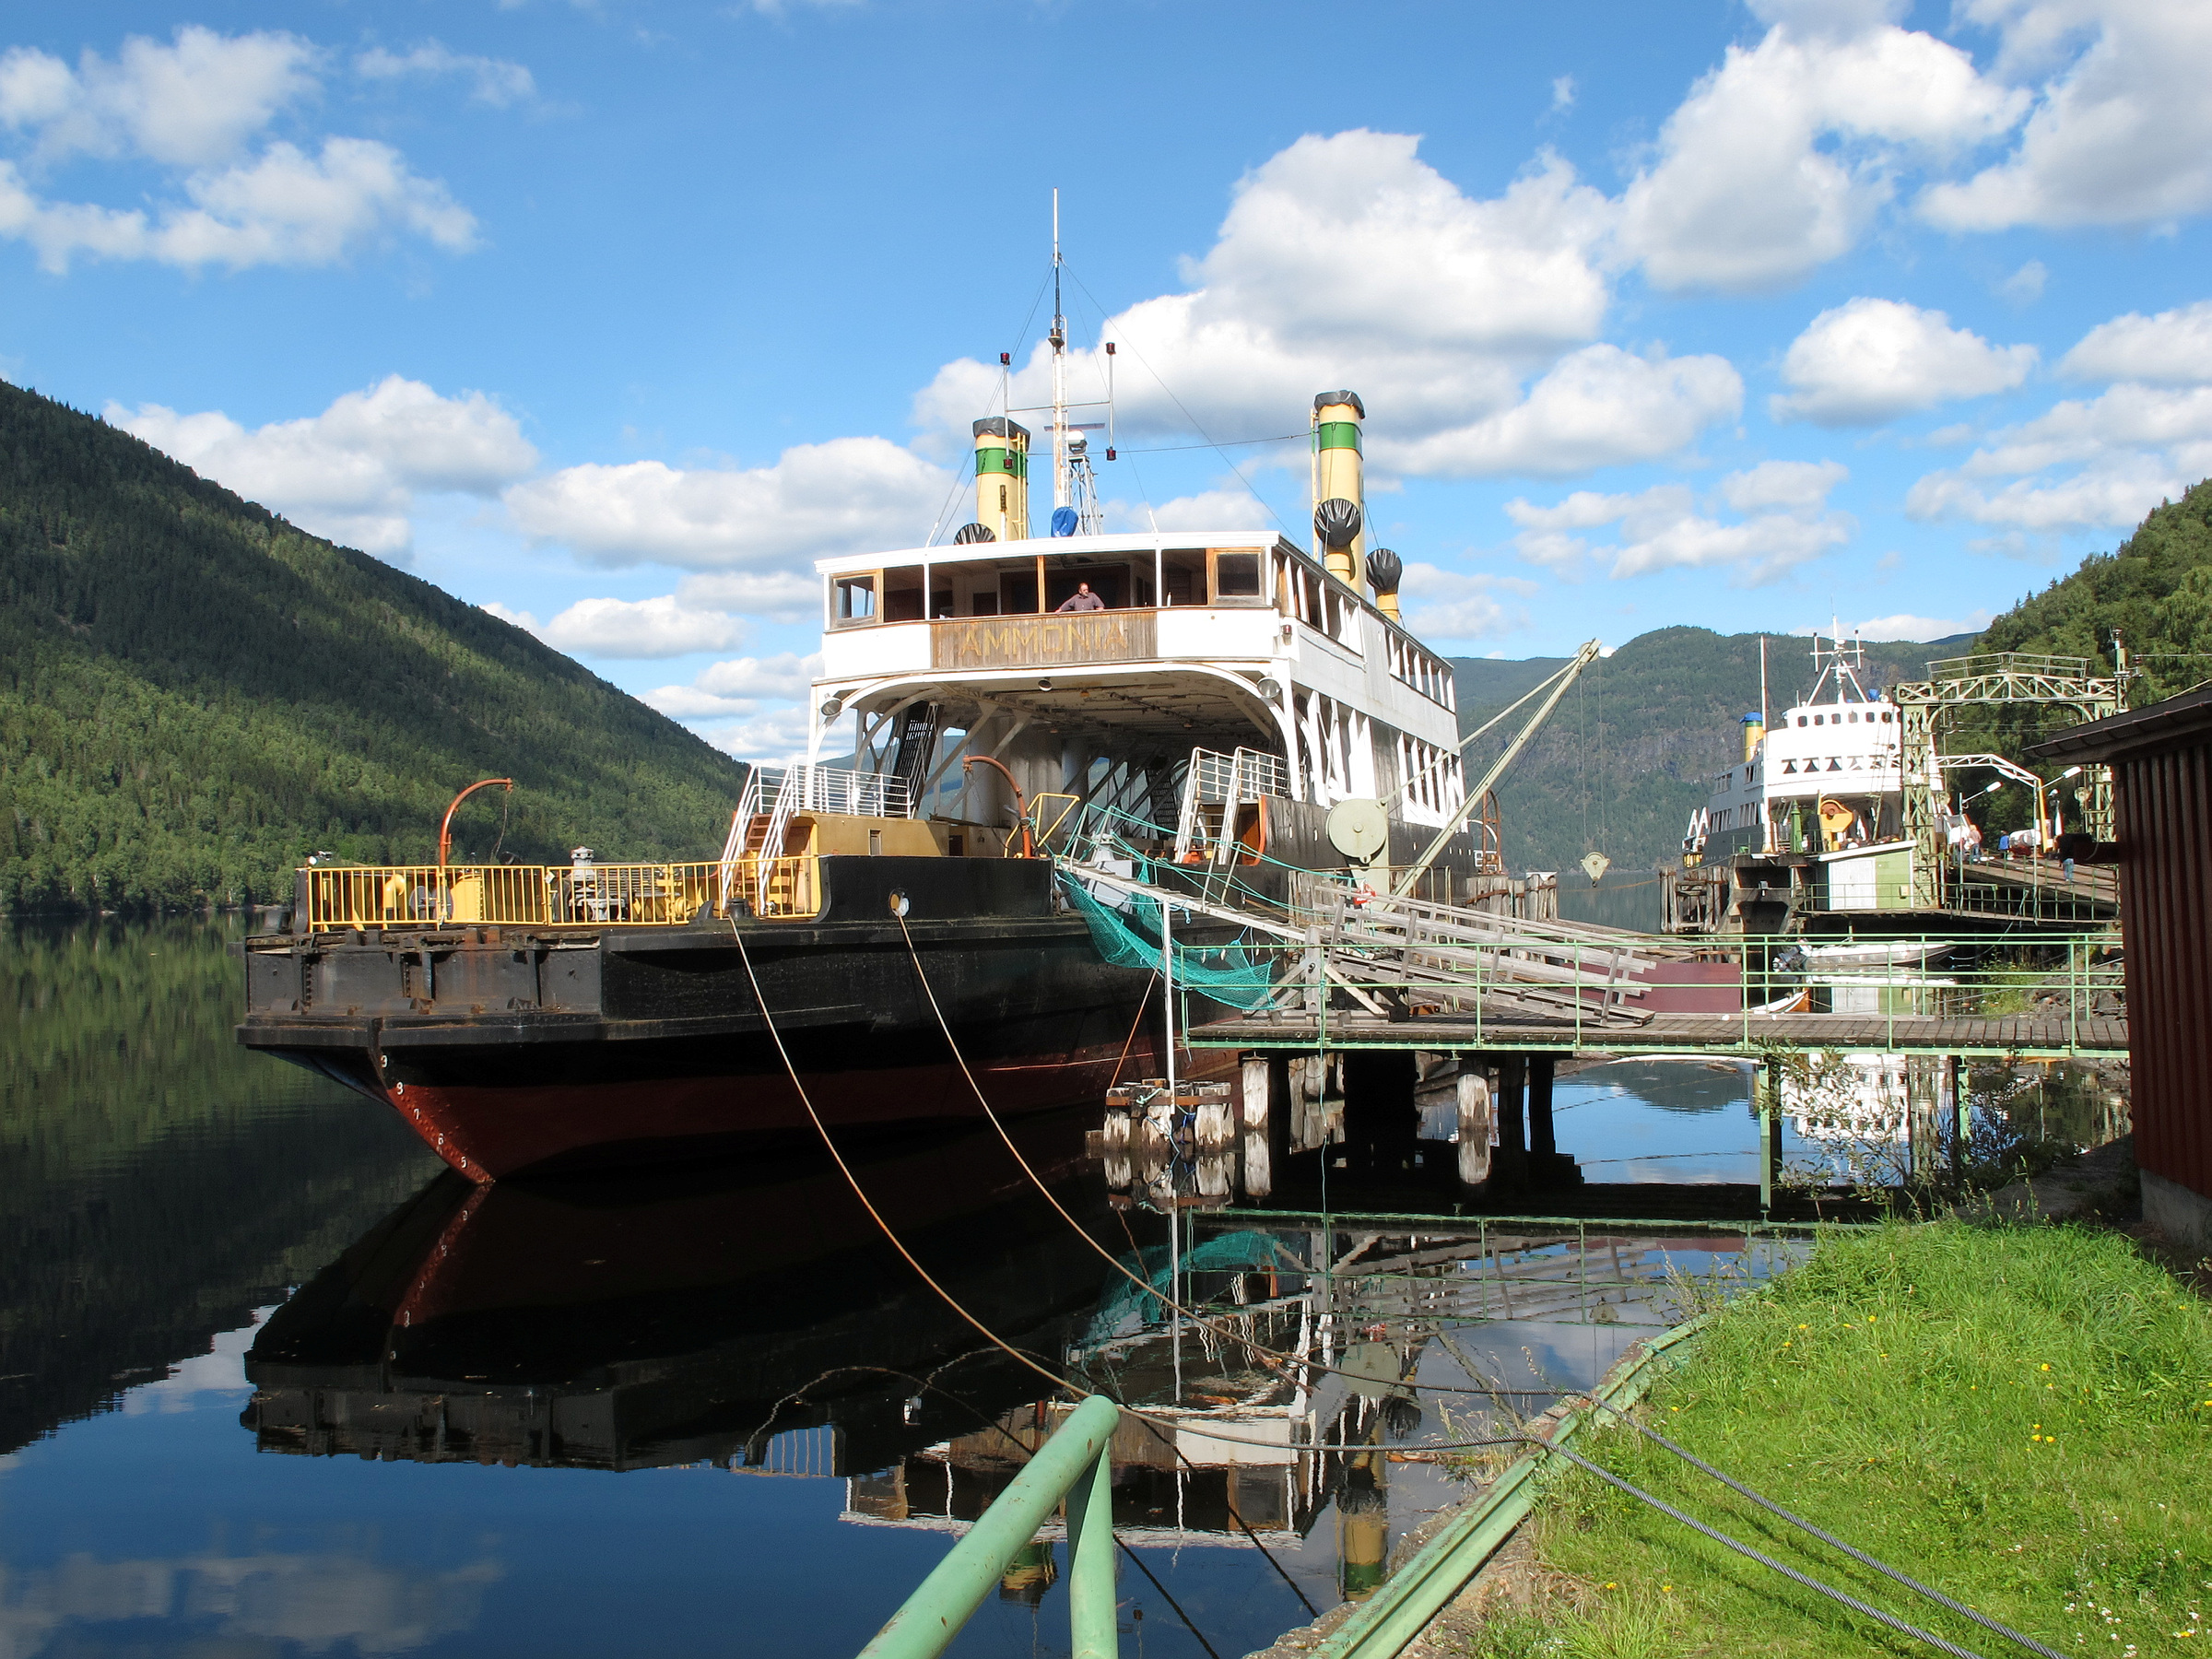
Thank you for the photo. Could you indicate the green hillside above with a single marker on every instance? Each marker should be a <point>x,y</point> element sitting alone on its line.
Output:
<point>1632,748</point>
<point>2154,591</point>
<point>194,694</point>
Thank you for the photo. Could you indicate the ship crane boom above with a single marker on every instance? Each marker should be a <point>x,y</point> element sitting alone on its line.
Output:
<point>1592,650</point>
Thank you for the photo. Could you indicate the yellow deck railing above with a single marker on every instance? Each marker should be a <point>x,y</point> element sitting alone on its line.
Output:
<point>628,894</point>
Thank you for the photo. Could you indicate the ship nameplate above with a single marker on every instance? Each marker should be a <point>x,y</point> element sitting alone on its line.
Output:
<point>1054,640</point>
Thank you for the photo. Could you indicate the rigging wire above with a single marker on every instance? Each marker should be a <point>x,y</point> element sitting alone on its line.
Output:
<point>1226,460</point>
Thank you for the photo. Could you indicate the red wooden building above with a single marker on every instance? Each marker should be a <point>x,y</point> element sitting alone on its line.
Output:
<point>2161,761</point>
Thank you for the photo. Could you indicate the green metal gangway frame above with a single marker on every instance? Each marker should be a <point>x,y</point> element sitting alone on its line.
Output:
<point>1075,1463</point>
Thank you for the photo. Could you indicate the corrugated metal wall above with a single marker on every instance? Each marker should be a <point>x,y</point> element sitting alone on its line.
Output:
<point>2165,813</point>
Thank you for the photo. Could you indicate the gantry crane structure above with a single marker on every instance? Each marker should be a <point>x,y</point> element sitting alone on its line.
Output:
<point>1998,677</point>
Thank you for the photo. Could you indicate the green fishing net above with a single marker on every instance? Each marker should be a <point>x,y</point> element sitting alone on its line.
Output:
<point>1131,939</point>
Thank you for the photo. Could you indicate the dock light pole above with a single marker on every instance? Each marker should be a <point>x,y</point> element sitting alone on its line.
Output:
<point>445,828</point>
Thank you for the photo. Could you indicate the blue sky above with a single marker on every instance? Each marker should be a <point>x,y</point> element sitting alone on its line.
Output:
<point>613,316</point>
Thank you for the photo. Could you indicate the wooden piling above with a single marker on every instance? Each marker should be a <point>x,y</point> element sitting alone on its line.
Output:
<point>1474,1121</point>
<point>1255,1109</point>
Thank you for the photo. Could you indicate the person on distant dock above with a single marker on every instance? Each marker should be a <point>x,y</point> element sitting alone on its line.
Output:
<point>1082,599</point>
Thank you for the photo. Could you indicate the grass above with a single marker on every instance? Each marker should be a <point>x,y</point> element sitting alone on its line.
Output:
<point>2019,1416</point>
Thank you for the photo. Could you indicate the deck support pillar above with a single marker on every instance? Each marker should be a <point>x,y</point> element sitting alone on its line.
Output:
<point>1767,1080</point>
<point>1512,1123</point>
<point>1960,1107</point>
<point>1542,1142</point>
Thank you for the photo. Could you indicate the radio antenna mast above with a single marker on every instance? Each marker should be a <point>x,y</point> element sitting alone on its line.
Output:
<point>1059,340</point>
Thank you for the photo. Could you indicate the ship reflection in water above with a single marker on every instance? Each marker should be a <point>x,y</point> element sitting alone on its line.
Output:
<point>743,1322</point>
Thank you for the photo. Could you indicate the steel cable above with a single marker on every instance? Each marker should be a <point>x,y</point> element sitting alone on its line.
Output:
<point>1856,1554</point>
<point>1889,1621</point>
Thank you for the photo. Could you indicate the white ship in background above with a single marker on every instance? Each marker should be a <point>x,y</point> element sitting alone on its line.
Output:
<point>1828,778</point>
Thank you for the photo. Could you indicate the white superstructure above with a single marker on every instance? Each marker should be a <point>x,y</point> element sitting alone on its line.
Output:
<point>1216,642</point>
<point>1826,777</point>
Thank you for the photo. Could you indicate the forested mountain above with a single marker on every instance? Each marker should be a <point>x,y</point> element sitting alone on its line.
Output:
<point>196,694</point>
<point>1632,748</point>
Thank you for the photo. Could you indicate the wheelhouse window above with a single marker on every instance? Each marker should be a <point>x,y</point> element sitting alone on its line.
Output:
<point>1237,577</point>
<point>902,594</point>
<point>852,600</point>
<point>1182,576</point>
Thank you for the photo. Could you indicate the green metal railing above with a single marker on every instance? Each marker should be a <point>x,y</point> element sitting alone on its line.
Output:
<point>2065,986</point>
<point>1076,1465</point>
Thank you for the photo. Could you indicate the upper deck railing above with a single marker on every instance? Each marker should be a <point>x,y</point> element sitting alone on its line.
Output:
<point>335,897</point>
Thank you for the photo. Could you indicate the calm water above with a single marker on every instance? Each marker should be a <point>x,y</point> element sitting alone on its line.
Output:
<point>272,1383</point>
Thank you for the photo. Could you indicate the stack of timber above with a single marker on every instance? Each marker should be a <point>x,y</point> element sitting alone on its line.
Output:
<point>1395,955</point>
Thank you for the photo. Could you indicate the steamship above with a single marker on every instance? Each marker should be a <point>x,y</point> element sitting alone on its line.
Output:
<point>1213,694</point>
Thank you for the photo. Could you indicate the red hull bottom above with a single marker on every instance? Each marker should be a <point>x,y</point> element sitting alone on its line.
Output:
<point>488,1131</point>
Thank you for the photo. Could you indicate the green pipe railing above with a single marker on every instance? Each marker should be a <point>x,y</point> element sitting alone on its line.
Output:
<point>1075,1463</point>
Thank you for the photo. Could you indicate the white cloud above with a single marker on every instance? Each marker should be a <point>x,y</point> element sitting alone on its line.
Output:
<point>2120,134</point>
<point>771,738</point>
<point>193,107</point>
<point>1562,92</point>
<point>2113,494</point>
<point>1451,605</point>
<point>2173,349</point>
<point>739,686</point>
<point>847,495</point>
<point>351,472</point>
<point>1453,304</point>
<point>1869,360</point>
<point>497,82</point>
<point>769,595</point>
<point>639,629</point>
<point>1777,161</point>
<point>192,104</point>
<point>1226,508</point>
<point>285,208</point>
<point>2095,463</point>
<point>1599,407</point>
<point>1664,527</point>
<point>1792,486</point>
<point>1905,626</point>
<point>2025,286</point>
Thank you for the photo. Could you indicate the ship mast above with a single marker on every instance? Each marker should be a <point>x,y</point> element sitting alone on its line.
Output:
<point>1059,340</point>
<point>1074,485</point>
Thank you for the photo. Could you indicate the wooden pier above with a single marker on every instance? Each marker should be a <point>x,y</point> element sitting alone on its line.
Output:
<point>1743,1036</point>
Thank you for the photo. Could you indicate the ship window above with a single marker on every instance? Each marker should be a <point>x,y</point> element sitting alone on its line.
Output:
<point>1800,719</point>
<point>1182,574</point>
<point>1237,577</point>
<point>854,600</point>
<point>1110,582</point>
<point>1818,719</point>
<point>902,594</point>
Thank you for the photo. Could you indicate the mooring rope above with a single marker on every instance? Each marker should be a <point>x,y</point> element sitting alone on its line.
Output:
<point>1887,1620</point>
<point>1249,1344</point>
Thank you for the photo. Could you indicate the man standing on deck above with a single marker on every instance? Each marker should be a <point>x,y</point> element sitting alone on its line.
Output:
<point>1082,599</point>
